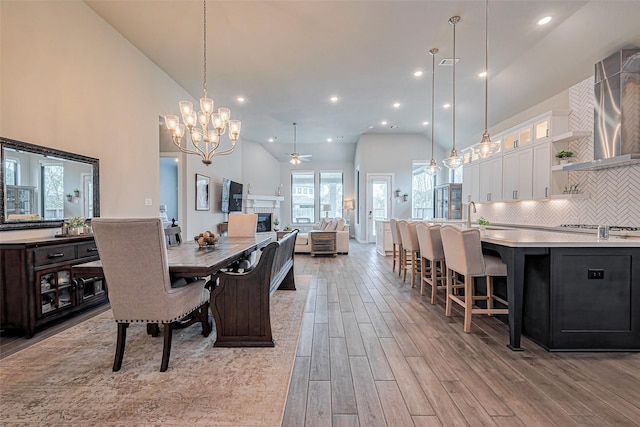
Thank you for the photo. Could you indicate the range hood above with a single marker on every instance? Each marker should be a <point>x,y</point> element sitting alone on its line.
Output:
<point>616,124</point>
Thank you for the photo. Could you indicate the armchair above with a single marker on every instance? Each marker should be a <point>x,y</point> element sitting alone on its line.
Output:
<point>339,225</point>
<point>129,246</point>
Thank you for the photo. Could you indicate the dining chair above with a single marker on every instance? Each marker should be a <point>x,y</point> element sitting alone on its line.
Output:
<point>173,235</point>
<point>463,255</point>
<point>133,254</point>
<point>242,225</point>
<point>410,249</point>
<point>434,270</point>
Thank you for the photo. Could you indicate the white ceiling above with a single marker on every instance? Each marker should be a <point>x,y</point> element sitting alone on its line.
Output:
<point>287,58</point>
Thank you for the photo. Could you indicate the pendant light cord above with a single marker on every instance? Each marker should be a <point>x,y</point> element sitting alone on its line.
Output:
<point>433,86</point>
<point>204,77</point>
<point>486,66</point>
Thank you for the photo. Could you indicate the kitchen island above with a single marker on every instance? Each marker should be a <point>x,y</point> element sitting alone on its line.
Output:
<point>570,291</point>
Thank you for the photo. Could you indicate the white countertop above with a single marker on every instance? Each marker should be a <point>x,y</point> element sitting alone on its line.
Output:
<point>540,238</point>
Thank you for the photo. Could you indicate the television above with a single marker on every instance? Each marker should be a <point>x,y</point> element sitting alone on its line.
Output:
<point>231,196</point>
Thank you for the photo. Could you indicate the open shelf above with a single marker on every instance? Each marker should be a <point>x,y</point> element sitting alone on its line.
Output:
<point>571,135</point>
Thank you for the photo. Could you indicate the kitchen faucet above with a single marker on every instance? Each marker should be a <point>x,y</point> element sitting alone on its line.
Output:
<point>471,203</point>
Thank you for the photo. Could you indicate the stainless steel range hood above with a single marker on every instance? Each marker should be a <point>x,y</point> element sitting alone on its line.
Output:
<point>616,135</point>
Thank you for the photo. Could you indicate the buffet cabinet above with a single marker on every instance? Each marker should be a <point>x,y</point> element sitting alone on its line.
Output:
<point>36,282</point>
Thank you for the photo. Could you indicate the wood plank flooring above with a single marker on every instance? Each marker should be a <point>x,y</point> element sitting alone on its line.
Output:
<point>374,352</point>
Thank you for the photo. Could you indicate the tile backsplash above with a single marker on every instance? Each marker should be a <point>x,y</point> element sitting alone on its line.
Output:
<point>614,193</point>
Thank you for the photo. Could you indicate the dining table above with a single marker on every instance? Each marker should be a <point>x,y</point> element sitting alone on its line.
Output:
<point>188,259</point>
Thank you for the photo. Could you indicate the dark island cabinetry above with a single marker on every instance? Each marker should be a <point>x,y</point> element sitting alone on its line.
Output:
<point>585,299</point>
<point>36,284</point>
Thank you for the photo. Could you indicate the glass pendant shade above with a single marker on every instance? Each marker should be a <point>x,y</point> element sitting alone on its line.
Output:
<point>433,168</point>
<point>453,161</point>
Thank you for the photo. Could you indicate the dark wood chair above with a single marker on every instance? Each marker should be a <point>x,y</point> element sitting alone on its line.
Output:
<point>129,247</point>
<point>173,234</point>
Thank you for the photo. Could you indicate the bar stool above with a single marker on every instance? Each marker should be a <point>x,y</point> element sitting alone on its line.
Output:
<point>410,249</point>
<point>463,255</point>
<point>434,267</point>
<point>397,244</point>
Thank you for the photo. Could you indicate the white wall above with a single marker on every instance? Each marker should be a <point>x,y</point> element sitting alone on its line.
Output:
<point>260,170</point>
<point>70,81</point>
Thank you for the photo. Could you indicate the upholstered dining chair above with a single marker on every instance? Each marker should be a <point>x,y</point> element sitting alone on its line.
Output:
<point>410,249</point>
<point>434,270</point>
<point>242,225</point>
<point>463,255</point>
<point>134,261</point>
<point>395,239</point>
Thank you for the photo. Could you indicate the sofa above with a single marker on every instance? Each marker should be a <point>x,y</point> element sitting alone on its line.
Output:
<point>339,225</point>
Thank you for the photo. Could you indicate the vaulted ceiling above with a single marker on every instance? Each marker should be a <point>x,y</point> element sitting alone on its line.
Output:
<point>288,58</point>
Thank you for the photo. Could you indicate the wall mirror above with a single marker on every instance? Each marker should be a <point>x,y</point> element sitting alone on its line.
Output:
<point>41,186</point>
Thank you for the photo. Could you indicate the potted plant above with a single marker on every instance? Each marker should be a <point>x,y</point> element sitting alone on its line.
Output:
<point>276,223</point>
<point>76,224</point>
<point>564,156</point>
<point>76,192</point>
<point>405,196</point>
<point>482,223</point>
<point>69,197</point>
<point>397,192</point>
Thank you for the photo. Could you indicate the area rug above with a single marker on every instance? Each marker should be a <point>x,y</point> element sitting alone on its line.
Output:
<point>67,379</point>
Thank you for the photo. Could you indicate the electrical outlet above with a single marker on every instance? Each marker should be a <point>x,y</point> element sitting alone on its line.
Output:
<point>147,202</point>
<point>594,273</point>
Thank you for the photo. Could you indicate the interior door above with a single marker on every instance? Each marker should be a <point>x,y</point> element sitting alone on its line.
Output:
<point>378,201</point>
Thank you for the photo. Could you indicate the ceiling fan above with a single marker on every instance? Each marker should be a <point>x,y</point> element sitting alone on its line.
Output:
<point>296,158</point>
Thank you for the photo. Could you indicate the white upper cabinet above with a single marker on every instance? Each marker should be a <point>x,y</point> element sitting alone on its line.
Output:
<point>471,182</point>
<point>491,180</point>
<point>542,171</point>
<point>517,174</point>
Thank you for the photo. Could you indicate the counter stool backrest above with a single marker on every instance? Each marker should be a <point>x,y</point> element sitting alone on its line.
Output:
<point>463,250</point>
<point>430,241</point>
<point>409,236</point>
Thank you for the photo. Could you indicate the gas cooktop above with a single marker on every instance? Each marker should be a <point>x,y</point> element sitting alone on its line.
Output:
<point>595,227</point>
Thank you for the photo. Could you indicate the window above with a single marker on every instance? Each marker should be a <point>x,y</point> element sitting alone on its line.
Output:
<point>422,187</point>
<point>12,172</point>
<point>53,194</point>
<point>331,194</point>
<point>303,203</point>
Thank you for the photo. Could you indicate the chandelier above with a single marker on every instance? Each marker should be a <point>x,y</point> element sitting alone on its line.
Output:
<point>433,168</point>
<point>205,141</point>
<point>454,161</point>
<point>486,147</point>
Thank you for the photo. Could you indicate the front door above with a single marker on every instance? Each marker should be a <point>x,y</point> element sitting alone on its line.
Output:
<point>378,201</point>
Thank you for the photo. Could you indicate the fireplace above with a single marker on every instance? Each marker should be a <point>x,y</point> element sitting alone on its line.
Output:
<point>264,223</point>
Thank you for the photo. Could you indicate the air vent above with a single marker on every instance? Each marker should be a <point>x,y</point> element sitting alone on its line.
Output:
<point>448,62</point>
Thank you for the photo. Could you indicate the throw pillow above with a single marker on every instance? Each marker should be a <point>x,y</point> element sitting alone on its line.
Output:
<point>340,224</point>
<point>332,225</point>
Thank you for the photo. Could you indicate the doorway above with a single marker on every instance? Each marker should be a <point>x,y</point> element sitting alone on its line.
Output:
<point>169,186</point>
<point>378,201</point>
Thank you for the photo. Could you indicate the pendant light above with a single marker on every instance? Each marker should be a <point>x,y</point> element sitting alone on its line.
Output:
<point>454,161</point>
<point>433,168</point>
<point>486,146</point>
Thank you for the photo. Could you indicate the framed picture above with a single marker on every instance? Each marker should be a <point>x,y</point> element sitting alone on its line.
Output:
<point>202,192</point>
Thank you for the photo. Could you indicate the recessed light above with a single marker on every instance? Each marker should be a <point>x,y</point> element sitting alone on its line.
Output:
<point>446,106</point>
<point>482,74</point>
<point>240,99</point>
<point>396,105</point>
<point>334,99</point>
<point>371,127</point>
<point>383,123</point>
<point>544,20</point>
<point>329,140</point>
<point>418,73</point>
<point>272,139</point>
<point>425,123</point>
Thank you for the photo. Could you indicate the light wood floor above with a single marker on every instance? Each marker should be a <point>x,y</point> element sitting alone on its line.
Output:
<point>374,352</point>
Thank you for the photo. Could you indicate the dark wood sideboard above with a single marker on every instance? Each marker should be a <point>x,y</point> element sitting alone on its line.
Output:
<point>36,283</point>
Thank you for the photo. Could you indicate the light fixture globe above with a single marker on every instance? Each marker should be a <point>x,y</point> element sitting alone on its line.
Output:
<point>454,161</point>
